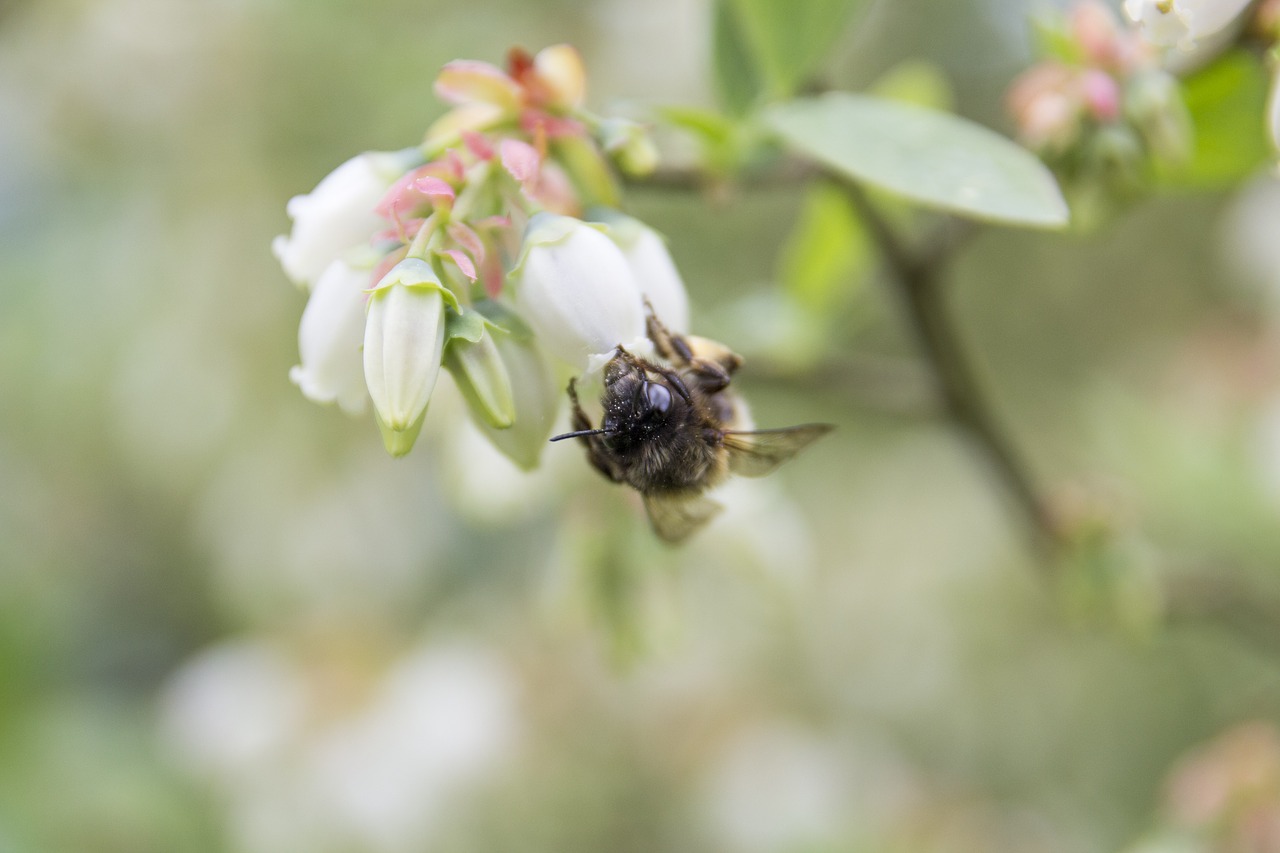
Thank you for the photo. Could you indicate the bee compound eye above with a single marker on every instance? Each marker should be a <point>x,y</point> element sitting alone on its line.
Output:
<point>658,397</point>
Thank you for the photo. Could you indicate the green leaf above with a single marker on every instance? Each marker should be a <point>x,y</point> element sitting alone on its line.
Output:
<point>932,158</point>
<point>738,82</point>
<point>826,253</point>
<point>1227,102</point>
<point>710,127</point>
<point>791,40</point>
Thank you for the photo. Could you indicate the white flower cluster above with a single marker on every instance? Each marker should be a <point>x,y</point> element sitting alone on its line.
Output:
<point>472,254</point>
<point>299,771</point>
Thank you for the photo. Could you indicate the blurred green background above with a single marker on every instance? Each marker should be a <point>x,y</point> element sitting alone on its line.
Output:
<point>229,622</point>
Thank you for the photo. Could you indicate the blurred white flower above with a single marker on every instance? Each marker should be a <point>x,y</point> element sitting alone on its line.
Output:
<point>330,337</point>
<point>305,769</point>
<point>232,709</point>
<point>776,789</point>
<point>403,345</point>
<point>440,721</point>
<point>338,215</point>
<point>655,273</point>
<point>1182,22</point>
<point>490,487</point>
<point>576,291</point>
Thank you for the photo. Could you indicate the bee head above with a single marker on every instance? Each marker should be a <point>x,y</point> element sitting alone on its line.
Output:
<point>639,400</point>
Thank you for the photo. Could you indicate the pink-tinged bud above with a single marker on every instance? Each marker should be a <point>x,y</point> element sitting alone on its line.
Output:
<point>1044,102</point>
<point>461,261</point>
<point>468,239</point>
<point>520,159</point>
<point>465,81</point>
<point>438,191</point>
<point>472,118</point>
<point>1095,29</point>
<point>560,70</point>
<point>338,215</point>
<point>403,343</point>
<point>329,339</point>
<point>1101,95</point>
<point>576,291</point>
<point>477,144</point>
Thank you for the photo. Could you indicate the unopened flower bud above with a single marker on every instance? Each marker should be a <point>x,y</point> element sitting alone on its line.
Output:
<point>651,265</point>
<point>630,146</point>
<point>329,339</point>
<point>576,291</point>
<point>480,374</point>
<point>562,74</point>
<point>536,396</point>
<point>1153,104</point>
<point>403,344</point>
<point>338,215</point>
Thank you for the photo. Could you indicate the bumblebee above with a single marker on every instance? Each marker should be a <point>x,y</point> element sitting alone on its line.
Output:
<point>673,429</point>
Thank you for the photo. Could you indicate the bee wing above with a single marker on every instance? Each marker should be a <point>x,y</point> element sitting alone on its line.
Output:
<point>756,453</point>
<point>674,519</point>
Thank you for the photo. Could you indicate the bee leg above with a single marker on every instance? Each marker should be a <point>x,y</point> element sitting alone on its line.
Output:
<point>597,454</point>
<point>713,373</point>
<point>670,346</point>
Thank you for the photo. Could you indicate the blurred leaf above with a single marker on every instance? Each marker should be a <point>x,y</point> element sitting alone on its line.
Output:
<point>919,83</point>
<point>705,124</point>
<point>1227,101</point>
<point>826,253</point>
<point>790,40</point>
<point>718,135</point>
<point>933,158</point>
<point>737,78</point>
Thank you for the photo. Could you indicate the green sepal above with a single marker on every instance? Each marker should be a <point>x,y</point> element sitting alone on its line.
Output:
<point>464,323</point>
<point>502,318</point>
<point>415,272</point>
<point>399,442</point>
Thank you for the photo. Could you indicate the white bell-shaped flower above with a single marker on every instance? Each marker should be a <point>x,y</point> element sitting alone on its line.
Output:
<point>329,339</point>
<point>655,273</point>
<point>1182,22</point>
<point>338,215</point>
<point>575,289</point>
<point>403,344</point>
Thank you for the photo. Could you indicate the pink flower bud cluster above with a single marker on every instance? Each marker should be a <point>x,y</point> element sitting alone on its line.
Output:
<point>1099,107</point>
<point>1057,100</point>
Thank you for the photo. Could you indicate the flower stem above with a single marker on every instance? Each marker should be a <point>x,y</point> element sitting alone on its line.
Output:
<point>422,240</point>
<point>918,278</point>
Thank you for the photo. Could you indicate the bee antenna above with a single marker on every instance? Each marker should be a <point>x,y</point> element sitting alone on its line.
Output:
<point>578,434</point>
